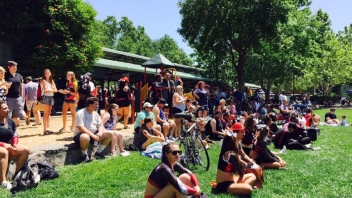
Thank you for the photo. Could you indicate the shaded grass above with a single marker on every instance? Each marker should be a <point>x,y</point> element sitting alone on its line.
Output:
<point>324,173</point>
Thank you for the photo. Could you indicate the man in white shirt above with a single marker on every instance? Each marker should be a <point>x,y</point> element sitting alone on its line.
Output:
<point>89,128</point>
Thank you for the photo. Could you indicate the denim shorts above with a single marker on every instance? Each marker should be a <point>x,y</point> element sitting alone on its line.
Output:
<point>48,100</point>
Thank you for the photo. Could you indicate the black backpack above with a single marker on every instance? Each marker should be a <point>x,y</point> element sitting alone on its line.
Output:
<point>26,178</point>
<point>47,171</point>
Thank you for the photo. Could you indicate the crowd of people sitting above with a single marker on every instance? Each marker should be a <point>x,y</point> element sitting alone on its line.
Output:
<point>244,126</point>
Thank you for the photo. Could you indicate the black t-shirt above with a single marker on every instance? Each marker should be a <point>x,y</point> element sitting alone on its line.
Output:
<point>330,115</point>
<point>122,98</point>
<point>282,137</point>
<point>8,131</point>
<point>142,138</point>
<point>14,91</point>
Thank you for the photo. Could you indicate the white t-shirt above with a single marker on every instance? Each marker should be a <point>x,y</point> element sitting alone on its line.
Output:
<point>92,122</point>
<point>92,87</point>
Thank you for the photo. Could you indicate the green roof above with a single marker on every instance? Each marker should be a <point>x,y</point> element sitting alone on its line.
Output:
<point>137,68</point>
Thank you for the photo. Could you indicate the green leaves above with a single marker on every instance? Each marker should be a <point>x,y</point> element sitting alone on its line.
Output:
<point>50,34</point>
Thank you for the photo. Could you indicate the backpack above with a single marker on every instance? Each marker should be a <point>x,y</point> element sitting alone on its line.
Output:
<point>39,92</point>
<point>47,171</point>
<point>26,178</point>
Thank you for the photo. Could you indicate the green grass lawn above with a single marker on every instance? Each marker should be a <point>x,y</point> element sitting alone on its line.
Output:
<point>324,173</point>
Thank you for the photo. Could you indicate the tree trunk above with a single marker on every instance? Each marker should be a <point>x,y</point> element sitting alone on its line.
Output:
<point>240,70</point>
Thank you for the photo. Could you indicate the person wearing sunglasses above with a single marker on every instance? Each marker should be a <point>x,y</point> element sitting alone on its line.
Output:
<point>262,155</point>
<point>229,164</point>
<point>163,183</point>
<point>109,119</point>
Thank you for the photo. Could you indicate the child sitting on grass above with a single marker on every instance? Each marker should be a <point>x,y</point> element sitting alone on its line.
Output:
<point>343,120</point>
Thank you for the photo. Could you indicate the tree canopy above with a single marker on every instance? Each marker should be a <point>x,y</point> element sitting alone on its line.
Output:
<point>53,34</point>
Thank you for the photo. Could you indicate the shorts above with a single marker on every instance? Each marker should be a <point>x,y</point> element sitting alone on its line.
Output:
<point>48,100</point>
<point>124,111</point>
<point>77,137</point>
<point>176,110</point>
<point>70,101</point>
<point>15,107</point>
<point>30,104</point>
<point>205,107</point>
<point>223,186</point>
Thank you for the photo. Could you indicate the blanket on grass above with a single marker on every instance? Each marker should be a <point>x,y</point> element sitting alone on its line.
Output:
<point>153,150</point>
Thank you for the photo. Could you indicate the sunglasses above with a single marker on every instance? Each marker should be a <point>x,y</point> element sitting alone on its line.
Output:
<point>175,152</point>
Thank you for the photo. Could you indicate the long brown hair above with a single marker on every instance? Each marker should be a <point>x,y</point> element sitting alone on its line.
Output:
<point>249,123</point>
<point>50,80</point>
<point>229,144</point>
<point>110,108</point>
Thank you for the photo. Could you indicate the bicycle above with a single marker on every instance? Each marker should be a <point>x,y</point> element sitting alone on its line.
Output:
<point>191,144</point>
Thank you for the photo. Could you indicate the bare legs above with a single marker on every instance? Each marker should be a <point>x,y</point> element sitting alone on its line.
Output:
<point>65,107</point>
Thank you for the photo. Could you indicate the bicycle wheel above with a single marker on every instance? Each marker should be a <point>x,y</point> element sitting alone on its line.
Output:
<point>183,144</point>
<point>203,156</point>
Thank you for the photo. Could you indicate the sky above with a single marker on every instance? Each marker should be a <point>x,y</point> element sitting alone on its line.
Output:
<point>160,17</point>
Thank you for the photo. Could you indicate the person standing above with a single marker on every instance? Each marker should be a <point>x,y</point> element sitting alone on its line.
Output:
<point>13,97</point>
<point>70,99</point>
<point>30,90</point>
<point>123,99</point>
<point>100,97</point>
<point>167,92</point>
<point>4,86</point>
<point>91,84</point>
<point>49,89</point>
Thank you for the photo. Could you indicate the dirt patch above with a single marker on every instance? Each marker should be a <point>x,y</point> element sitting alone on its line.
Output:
<point>33,135</point>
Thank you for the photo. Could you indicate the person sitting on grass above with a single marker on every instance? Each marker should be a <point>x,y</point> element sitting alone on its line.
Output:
<point>228,165</point>
<point>163,183</point>
<point>109,119</point>
<point>148,135</point>
<point>262,155</point>
<point>217,127</point>
<point>330,117</point>
<point>288,137</point>
<point>89,128</point>
<point>9,147</point>
<point>343,121</point>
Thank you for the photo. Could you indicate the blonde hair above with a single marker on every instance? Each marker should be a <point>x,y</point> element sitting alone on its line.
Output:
<point>222,101</point>
<point>3,71</point>
<point>73,79</point>
<point>179,88</point>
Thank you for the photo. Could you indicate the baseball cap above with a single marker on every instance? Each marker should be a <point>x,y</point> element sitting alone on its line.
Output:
<point>237,127</point>
<point>147,104</point>
<point>89,74</point>
<point>284,98</point>
<point>29,78</point>
<point>163,101</point>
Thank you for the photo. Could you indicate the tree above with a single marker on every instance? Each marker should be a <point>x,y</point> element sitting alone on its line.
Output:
<point>108,31</point>
<point>236,26</point>
<point>50,34</point>
<point>169,48</point>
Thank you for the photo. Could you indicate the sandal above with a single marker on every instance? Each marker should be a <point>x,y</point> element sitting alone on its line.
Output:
<point>61,130</point>
<point>36,124</point>
<point>47,132</point>
<point>113,153</point>
<point>126,127</point>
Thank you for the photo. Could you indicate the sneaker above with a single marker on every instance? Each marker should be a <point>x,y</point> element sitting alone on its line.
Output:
<point>85,158</point>
<point>308,145</point>
<point>283,151</point>
<point>99,155</point>
<point>6,184</point>
<point>124,153</point>
<point>317,149</point>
